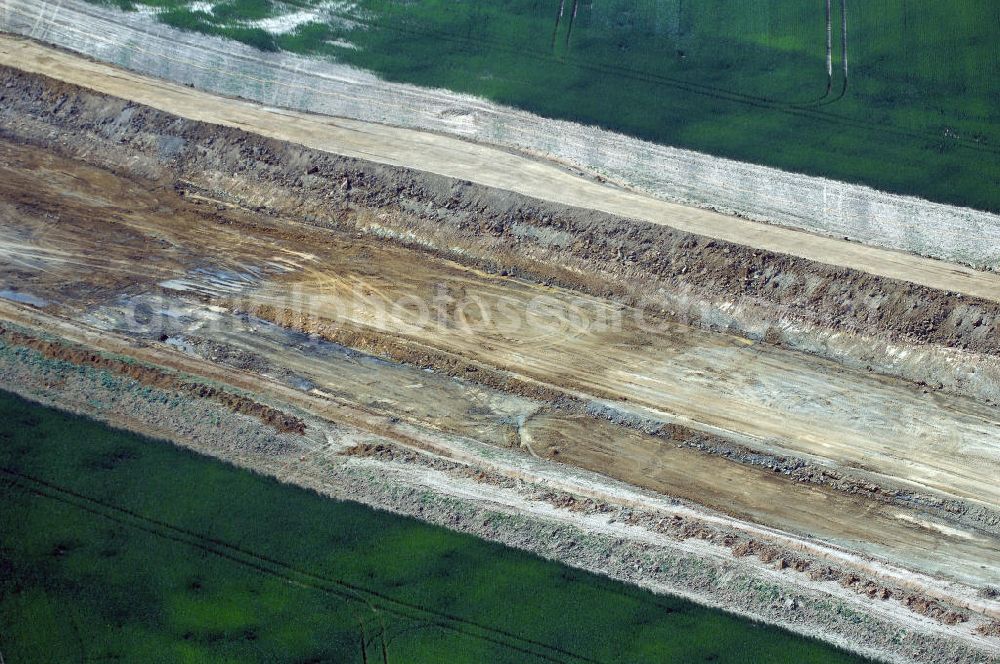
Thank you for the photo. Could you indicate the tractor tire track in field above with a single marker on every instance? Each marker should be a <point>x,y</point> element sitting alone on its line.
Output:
<point>825,100</point>
<point>572,20</point>
<point>555,28</point>
<point>819,101</point>
<point>289,573</point>
<point>843,37</point>
<point>843,53</point>
<point>843,42</point>
<point>829,47</point>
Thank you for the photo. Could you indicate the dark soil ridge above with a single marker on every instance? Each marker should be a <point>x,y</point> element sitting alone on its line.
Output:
<point>688,278</point>
<point>156,377</point>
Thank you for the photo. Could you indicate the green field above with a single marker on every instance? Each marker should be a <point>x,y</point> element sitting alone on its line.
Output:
<point>745,79</point>
<point>116,547</point>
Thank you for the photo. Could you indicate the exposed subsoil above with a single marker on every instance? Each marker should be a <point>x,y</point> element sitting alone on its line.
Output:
<point>156,377</point>
<point>141,238</point>
<point>401,349</point>
<point>68,231</point>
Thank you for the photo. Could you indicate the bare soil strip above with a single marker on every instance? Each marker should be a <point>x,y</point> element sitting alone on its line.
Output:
<point>940,340</point>
<point>566,344</point>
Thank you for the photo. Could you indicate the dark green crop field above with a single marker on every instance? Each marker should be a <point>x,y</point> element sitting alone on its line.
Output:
<point>118,548</point>
<point>917,112</point>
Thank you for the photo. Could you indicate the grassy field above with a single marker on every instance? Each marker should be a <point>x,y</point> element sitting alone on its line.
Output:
<point>747,79</point>
<point>115,547</point>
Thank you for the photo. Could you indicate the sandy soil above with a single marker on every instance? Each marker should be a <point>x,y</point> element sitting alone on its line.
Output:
<point>755,394</point>
<point>489,166</point>
<point>758,395</point>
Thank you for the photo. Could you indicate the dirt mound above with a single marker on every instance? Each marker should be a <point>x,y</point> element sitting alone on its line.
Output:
<point>155,377</point>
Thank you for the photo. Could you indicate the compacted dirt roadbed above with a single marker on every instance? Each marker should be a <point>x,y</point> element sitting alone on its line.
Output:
<point>814,445</point>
